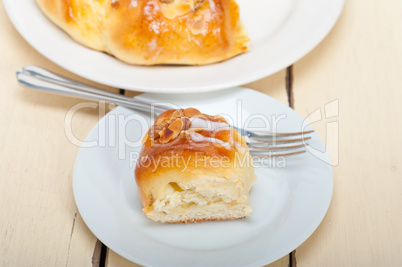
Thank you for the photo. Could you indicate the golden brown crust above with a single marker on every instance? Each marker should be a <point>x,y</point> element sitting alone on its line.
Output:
<point>196,150</point>
<point>150,32</point>
<point>82,20</point>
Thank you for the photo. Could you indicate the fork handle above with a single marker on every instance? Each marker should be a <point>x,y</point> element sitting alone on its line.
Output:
<point>41,79</point>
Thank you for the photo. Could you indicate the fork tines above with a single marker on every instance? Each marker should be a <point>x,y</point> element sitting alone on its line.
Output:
<point>277,144</point>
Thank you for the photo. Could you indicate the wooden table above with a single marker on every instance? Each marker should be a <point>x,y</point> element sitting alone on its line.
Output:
<point>359,66</point>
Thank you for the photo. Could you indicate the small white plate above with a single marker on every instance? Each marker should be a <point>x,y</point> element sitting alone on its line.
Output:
<point>281,32</point>
<point>289,198</point>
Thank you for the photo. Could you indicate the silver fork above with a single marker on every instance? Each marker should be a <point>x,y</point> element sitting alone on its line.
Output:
<point>261,144</point>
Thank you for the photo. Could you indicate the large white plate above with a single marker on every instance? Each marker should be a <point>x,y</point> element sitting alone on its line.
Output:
<point>282,31</point>
<point>289,201</point>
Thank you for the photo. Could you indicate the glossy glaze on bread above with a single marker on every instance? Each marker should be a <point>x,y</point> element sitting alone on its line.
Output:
<point>194,167</point>
<point>150,32</point>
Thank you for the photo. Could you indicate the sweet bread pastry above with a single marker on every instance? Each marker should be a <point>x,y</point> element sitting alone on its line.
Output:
<point>149,32</point>
<point>194,167</point>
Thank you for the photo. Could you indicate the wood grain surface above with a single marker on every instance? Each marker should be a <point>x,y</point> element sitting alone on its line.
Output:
<point>353,79</point>
<point>359,65</point>
<point>39,225</point>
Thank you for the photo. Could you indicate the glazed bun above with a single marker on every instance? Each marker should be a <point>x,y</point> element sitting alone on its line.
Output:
<point>194,167</point>
<point>149,32</point>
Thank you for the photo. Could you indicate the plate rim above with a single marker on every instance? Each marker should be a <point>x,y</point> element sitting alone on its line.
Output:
<point>293,57</point>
